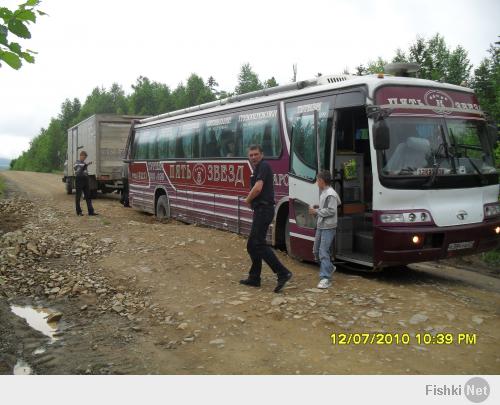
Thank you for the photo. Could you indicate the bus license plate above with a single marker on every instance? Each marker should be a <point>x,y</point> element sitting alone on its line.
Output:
<point>461,245</point>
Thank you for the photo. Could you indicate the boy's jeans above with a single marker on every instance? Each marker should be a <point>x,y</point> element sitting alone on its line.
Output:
<point>321,251</point>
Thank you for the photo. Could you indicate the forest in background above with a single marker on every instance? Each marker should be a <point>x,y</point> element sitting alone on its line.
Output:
<point>47,151</point>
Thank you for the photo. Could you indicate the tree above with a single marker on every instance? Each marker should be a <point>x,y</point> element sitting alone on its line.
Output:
<point>100,101</point>
<point>270,83</point>
<point>373,67</point>
<point>213,85</point>
<point>118,99</point>
<point>196,92</point>
<point>400,57</point>
<point>486,82</point>
<point>16,22</point>
<point>248,80</point>
<point>436,58</point>
<point>150,98</point>
<point>418,55</point>
<point>459,66</point>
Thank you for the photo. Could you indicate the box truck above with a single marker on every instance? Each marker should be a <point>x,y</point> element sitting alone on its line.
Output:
<point>103,137</point>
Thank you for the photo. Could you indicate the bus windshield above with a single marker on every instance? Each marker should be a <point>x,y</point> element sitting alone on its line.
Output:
<point>434,147</point>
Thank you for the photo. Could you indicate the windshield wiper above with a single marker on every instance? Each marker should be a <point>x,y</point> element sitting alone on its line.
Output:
<point>484,181</point>
<point>437,163</point>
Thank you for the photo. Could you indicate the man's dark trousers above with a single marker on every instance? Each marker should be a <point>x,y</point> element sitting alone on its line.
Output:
<point>257,247</point>
<point>82,186</point>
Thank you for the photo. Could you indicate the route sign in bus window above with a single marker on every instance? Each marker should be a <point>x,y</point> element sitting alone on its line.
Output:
<point>261,127</point>
<point>218,138</point>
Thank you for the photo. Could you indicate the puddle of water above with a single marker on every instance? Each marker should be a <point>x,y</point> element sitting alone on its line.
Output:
<point>22,368</point>
<point>36,319</point>
<point>40,350</point>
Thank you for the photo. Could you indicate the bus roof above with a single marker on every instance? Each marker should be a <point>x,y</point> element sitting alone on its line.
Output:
<point>318,85</point>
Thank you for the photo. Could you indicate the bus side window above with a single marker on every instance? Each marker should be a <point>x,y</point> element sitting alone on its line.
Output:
<point>172,142</point>
<point>153,143</point>
<point>303,157</point>
<point>212,149</point>
<point>196,145</point>
<point>179,149</point>
<point>267,144</point>
<point>143,145</point>
<point>301,130</point>
<point>261,128</point>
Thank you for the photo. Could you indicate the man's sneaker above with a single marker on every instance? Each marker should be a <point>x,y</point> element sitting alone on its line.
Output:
<point>324,283</point>
<point>250,282</point>
<point>282,282</point>
<point>93,214</point>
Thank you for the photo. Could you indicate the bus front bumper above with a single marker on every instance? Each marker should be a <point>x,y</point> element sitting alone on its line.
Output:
<point>405,245</point>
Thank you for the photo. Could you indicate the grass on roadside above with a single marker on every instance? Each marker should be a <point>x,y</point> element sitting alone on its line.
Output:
<point>492,258</point>
<point>105,221</point>
<point>2,186</point>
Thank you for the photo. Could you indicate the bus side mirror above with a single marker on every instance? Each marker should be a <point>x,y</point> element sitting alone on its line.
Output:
<point>492,135</point>
<point>381,135</point>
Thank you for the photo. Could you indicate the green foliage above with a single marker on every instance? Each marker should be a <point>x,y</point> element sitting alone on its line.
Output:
<point>492,258</point>
<point>248,80</point>
<point>149,98</point>
<point>436,60</point>
<point>47,151</point>
<point>2,186</point>
<point>16,22</point>
<point>486,84</point>
<point>373,67</point>
<point>270,83</point>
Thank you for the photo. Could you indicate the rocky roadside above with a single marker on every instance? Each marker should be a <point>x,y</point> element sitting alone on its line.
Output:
<point>45,263</point>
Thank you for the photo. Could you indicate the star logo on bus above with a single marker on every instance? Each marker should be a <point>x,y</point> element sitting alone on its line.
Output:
<point>438,98</point>
<point>199,174</point>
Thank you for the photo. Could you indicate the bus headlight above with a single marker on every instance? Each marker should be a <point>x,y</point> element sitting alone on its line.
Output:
<point>392,218</point>
<point>406,218</point>
<point>492,210</point>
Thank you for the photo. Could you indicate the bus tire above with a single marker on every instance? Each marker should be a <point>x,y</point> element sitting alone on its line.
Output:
<point>162,208</point>
<point>69,185</point>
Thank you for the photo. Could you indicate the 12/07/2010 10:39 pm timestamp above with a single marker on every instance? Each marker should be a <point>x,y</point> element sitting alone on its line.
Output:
<point>418,338</point>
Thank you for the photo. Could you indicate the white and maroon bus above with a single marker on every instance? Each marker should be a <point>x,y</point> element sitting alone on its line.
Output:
<point>412,161</point>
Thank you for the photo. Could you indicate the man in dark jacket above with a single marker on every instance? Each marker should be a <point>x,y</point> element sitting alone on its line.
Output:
<point>82,184</point>
<point>261,199</point>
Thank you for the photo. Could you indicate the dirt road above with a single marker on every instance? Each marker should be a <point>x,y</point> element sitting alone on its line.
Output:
<point>142,297</point>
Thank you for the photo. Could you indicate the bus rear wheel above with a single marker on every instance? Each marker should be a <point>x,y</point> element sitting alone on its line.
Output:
<point>162,208</point>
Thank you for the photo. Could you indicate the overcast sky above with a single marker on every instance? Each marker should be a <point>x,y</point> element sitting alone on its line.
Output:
<point>88,43</point>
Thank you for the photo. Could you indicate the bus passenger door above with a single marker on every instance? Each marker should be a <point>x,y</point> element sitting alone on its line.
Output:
<point>303,191</point>
<point>351,164</point>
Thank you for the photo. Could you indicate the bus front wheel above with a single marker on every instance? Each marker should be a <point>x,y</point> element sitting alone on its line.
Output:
<point>162,208</point>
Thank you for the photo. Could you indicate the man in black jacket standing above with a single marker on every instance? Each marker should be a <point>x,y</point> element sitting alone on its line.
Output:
<point>261,199</point>
<point>82,184</point>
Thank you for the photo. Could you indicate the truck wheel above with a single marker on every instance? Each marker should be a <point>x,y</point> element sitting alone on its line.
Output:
<point>69,186</point>
<point>162,208</point>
